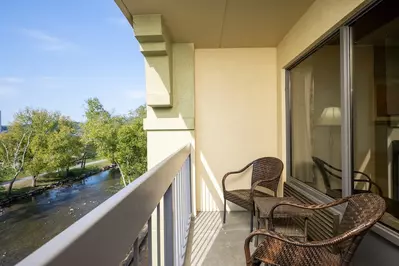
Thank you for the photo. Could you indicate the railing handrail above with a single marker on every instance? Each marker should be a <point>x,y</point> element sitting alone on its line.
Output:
<point>90,242</point>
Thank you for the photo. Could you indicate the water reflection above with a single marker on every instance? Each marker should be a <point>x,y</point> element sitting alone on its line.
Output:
<point>27,225</point>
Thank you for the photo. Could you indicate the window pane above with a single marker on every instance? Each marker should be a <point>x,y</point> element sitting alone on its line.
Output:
<point>376,106</point>
<point>316,119</point>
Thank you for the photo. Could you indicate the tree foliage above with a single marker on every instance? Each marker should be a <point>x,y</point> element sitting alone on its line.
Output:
<point>14,145</point>
<point>101,129</point>
<point>43,124</point>
<point>64,145</point>
<point>38,141</point>
<point>131,154</point>
<point>120,139</point>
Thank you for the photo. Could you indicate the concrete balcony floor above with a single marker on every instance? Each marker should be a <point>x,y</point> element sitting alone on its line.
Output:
<point>213,243</point>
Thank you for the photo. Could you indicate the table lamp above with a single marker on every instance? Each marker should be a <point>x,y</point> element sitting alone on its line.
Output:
<point>330,117</point>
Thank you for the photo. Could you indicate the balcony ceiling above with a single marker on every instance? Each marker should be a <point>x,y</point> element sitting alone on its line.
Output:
<point>224,23</point>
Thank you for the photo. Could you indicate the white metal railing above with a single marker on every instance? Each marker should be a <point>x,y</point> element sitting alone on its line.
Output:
<point>106,234</point>
<point>182,207</point>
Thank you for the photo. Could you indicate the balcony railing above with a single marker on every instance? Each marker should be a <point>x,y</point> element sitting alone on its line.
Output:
<point>106,235</point>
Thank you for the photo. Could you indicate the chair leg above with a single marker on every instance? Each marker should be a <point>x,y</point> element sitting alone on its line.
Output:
<point>252,222</point>
<point>252,217</point>
<point>224,212</point>
<point>256,263</point>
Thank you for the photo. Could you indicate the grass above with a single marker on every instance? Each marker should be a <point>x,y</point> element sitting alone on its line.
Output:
<point>23,174</point>
<point>94,159</point>
<point>50,178</point>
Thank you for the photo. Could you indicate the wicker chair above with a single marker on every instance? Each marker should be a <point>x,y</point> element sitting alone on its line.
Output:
<point>266,172</point>
<point>361,213</point>
<point>328,171</point>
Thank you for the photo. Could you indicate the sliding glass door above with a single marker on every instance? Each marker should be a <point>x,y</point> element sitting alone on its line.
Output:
<point>376,105</point>
<point>316,117</point>
<point>344,113</point>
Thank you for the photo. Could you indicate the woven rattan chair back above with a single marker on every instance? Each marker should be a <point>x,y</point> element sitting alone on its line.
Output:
<point>362,211</point>
<point>267,168</point>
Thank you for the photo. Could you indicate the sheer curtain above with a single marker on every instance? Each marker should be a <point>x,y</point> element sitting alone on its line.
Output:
<point>303,103</point>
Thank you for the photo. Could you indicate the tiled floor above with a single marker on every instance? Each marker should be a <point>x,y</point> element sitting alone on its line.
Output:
<point>212,243</point>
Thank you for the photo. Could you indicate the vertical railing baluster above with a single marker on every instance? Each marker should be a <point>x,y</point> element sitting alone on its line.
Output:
<point>183,176</point>
<point>183,233</point>
<point>190,210</point>
<point>149,241</point>
<point>159,234</point>
<point>177,214</point>
<point>169,212</point>
<point>136,252</point>
<point>185,211</point>
<point>182,214</point>
<point>181,201</point>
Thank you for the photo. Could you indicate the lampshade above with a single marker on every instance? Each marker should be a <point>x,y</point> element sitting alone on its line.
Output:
<point>331,116</point>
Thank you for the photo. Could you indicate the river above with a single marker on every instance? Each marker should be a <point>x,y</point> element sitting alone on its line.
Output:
<point>27,225</point>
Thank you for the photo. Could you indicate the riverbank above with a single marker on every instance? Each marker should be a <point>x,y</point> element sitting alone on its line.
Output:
<point>23,177</point>
<point>22,190</point>
<point>28,224</point>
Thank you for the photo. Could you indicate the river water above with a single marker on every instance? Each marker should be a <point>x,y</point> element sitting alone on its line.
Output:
<point>27,225</point>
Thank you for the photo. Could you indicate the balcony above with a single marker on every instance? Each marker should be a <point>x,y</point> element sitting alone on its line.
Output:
<point>152,222</point>
<point>109,235</point>
<point>162,199</point>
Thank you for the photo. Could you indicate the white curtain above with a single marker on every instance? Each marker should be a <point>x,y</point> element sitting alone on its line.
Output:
<point>302,113</point>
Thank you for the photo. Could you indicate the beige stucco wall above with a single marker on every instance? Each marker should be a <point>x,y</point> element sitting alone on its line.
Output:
<point>235,117</point>
<point>181,115</point>
<point>169,129</point>
<point>323,17</point>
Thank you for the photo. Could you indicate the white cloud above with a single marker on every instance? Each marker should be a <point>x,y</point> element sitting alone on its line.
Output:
<point>47,78</point>
<point>46,41</point>
<point>50,82</point>
<point>10,80</point>
<point>120,21</point>
<point>9,85</point>
<point>7,90</point>
<point>135,94</point>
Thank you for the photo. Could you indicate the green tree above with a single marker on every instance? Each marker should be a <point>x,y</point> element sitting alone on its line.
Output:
<point>64,146</point>
<point>42,123</point>
<point>101,129</point>
<point>14,146</point>
<point>131,154</point>
<point>89,152</point>
<point>122,140</point>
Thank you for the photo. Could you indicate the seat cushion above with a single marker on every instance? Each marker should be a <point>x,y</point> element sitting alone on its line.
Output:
<point>276,252</point>
<point>242,198</point>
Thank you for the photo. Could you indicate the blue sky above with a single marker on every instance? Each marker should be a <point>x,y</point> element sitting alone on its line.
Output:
<point>56,54</point>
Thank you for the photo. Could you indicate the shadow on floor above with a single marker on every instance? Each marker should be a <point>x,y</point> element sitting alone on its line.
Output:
<point>212,243</point>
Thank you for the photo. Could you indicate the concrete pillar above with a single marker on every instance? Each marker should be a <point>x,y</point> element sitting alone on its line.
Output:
<point>170,74</point>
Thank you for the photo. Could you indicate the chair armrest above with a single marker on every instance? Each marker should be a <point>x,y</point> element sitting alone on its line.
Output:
<point>234,172</point>
<point>304,206</point>
<point>363,174</point>
<point>371,183</point>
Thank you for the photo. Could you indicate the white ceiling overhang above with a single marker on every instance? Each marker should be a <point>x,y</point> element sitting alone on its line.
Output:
<point>222,23</point>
